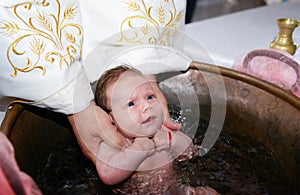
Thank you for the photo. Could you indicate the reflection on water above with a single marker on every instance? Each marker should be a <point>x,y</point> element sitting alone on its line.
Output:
<point>235,165</point>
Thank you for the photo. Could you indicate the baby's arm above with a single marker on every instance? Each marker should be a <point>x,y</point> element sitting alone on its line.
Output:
<point>114,166</point>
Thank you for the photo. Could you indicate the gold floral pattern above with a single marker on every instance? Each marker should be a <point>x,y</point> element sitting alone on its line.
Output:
<point>150,24</point>
<point>50,38</point>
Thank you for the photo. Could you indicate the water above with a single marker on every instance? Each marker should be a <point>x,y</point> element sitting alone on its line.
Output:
<point>235,165</point>
<point>67,171</point>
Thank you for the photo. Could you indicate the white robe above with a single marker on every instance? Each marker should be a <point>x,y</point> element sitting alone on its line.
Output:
<point>51,50</point>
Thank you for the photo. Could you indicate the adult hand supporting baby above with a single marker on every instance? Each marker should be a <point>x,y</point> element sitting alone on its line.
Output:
<point>91,126</point>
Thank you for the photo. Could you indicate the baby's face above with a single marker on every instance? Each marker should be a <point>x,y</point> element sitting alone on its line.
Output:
<point>135,108</point>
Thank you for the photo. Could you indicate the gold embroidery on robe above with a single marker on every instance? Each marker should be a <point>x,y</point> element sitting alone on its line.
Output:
<point>150,24</point>
<point>33,34</point>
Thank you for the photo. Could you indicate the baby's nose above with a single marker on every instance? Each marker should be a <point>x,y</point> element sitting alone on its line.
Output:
<point>146,106</point>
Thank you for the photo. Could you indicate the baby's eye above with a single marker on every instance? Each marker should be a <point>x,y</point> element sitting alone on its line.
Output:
<point>130,104</point>
<point>150,97</point>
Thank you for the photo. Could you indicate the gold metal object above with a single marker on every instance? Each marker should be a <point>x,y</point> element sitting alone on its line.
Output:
<point>284,40</point>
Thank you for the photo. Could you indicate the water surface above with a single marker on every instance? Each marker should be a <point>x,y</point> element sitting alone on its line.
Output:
<point>236,164</point>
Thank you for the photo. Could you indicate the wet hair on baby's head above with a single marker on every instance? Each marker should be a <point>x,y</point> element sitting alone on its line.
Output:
<point>107,78</point>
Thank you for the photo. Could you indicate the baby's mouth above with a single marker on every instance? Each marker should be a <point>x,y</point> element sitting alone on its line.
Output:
<point>148,120</point>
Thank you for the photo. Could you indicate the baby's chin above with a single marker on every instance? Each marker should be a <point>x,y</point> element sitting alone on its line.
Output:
<point>150,131</point>
<point>142,132</point>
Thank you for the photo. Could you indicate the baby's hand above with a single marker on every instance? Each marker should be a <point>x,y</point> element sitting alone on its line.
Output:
<point>162,140</point>
<point>144,144</point>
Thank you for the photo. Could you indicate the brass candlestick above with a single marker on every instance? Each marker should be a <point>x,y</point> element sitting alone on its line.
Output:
<point>284,40</point>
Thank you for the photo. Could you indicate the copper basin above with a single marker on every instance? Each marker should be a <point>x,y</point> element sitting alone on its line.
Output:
<point>257,108</point>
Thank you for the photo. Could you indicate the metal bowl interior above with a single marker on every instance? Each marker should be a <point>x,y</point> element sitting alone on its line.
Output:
<point>254,107</point>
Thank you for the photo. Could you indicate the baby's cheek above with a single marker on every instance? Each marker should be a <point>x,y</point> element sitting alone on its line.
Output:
<point>134,116</point>
<point>159,111</point>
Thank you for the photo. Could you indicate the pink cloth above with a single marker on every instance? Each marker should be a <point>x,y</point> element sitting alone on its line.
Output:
<point>12,179</point>
<point>275,66</point>
<point>4,184</point>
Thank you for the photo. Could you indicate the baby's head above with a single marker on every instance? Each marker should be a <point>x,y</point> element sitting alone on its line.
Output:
<point>128,97</point>
<point>108,78</point>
